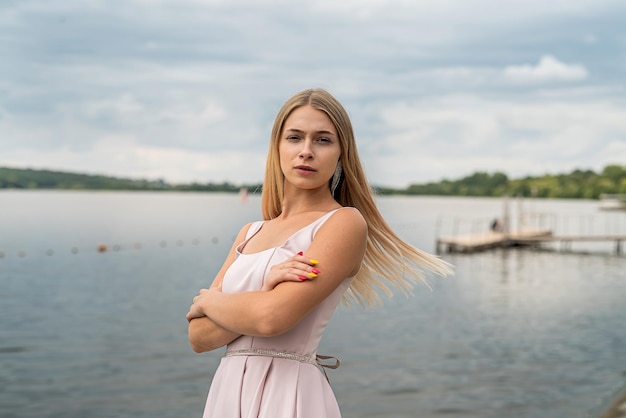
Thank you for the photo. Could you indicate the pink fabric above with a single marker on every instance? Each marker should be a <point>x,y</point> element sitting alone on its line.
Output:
<point>270,387</point>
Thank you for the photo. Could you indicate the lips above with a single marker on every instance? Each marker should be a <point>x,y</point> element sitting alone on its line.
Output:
<point>306,168</point>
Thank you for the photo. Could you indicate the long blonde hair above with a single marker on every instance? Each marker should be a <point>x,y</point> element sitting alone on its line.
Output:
<point>388,259</point>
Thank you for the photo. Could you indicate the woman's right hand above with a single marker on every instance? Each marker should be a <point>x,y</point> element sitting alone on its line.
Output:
<point>295,269</point>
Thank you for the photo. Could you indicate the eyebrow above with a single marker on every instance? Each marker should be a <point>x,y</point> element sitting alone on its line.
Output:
<point>317,132</point>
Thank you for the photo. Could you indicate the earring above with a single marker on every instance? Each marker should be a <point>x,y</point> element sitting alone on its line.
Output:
<point>336,178</point>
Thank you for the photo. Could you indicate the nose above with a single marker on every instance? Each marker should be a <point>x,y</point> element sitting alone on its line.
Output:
<point>306,152</point>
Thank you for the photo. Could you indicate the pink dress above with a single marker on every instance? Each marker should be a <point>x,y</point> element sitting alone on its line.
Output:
<point>274,377</point>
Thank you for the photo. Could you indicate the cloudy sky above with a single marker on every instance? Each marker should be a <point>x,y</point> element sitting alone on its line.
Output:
<point>186,90</point>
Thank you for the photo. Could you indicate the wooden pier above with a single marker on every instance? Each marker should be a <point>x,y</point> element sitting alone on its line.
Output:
<point>486,240</point>
<point>523,238</point>
<point>527,229</point>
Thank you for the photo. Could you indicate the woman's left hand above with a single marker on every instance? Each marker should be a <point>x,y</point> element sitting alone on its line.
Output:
<point>195,310</point>
<point>295,269</point>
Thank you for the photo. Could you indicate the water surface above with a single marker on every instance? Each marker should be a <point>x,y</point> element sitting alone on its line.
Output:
<point>87,334</point>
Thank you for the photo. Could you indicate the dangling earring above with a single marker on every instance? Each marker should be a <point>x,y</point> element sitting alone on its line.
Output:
<point>336,178</point>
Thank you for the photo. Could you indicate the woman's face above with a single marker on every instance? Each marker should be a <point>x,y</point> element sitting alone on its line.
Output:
<point>309,148</point>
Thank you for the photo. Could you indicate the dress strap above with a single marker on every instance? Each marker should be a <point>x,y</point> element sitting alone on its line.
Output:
<point>253,229</point>
<point>268,352</point>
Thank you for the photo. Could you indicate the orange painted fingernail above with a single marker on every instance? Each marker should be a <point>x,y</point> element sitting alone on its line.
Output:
<point>313,261</point>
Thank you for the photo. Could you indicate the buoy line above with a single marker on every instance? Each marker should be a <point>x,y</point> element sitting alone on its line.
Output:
<point>107,248</point>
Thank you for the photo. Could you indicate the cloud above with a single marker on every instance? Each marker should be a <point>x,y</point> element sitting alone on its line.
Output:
<point>549,69</point>
<point>123,156</point>
<point>454,136</point>
<point>157,88</point>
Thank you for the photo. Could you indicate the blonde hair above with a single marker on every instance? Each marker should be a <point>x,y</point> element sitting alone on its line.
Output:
<point>388,259</point>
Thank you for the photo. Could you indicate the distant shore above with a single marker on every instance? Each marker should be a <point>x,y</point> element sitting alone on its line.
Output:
<point>579,184</point>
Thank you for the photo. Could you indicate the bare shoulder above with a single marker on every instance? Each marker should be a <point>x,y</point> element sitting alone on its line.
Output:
<point>347,220</point>
<point>350,214</point>
<point>341,243</point>
<point>230,258</point>
<point>243,231</point>
<point>241,236</point>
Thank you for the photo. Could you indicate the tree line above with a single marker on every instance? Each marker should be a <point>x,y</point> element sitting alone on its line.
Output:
<point>579,184</point>
<point>583,184</point>
<point>15,178</point>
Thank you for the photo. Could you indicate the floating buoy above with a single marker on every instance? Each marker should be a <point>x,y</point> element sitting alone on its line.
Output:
<point>103,248</point>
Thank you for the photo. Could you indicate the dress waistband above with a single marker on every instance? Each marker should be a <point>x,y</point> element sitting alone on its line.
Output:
<point>268,352</point>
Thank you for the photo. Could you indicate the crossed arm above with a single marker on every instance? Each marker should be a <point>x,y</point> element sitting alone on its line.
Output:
<point>204,333</point>
<point>217,318</point>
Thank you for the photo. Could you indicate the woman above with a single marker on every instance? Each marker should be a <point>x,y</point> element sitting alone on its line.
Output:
<point>322,240</point>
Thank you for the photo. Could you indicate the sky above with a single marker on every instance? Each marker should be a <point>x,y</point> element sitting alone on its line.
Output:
<point>187,90</point>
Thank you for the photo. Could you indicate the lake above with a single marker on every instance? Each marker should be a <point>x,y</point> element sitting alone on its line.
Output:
<point>515,333</point>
